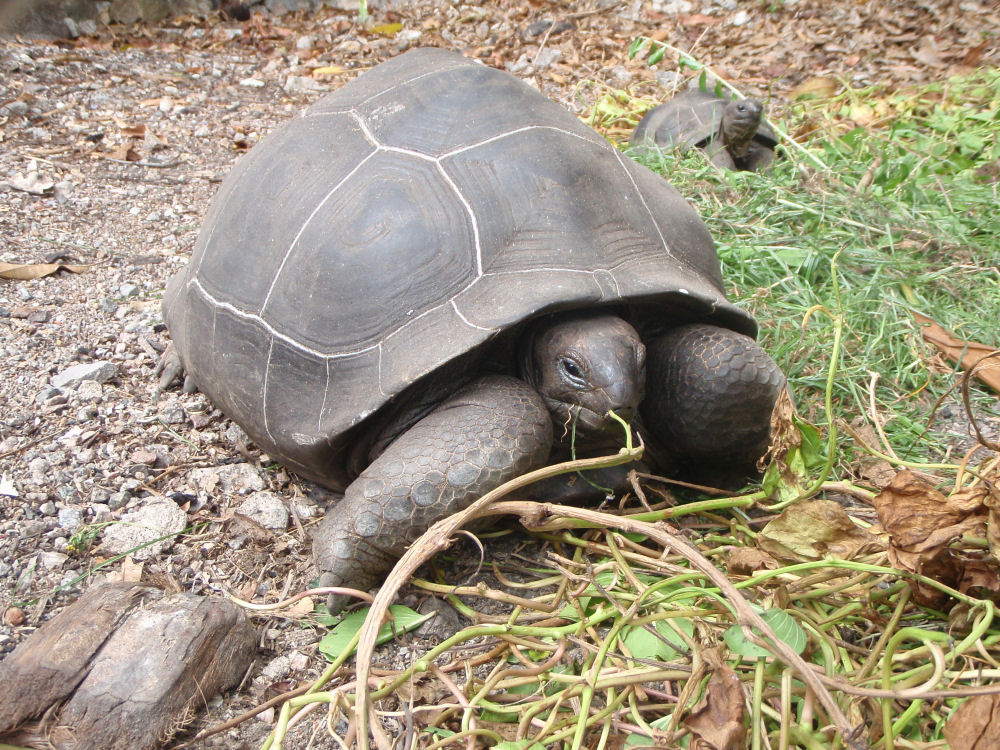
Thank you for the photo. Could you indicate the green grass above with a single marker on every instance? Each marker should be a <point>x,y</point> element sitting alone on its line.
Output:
<point>910,206</point>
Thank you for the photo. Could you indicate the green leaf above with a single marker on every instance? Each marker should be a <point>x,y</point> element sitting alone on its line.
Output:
<point>338,639</point>
<point>642,643</point>
<point>656,56</point>
<point>637,44</point>
<point>784,626</point>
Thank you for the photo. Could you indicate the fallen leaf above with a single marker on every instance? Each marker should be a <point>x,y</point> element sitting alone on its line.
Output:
<point>922,523</point>
<point>32,183</point>
<point>327,70</point>
<point>975,725</point>
<point>743,561</point>
<point>123,152</point>
<point>28,271</point>
<point>967,353</point>
<point>388,29</point>
<point>816,88</point>
<point>815,530</point>
<point>717,722</point>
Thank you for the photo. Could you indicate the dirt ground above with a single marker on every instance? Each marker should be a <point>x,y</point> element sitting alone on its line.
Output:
<point>112,147</point>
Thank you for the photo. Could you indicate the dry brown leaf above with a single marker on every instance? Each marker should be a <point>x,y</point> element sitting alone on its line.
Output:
<point>743,561</point>
<point>816,88</point>
<point>921,523</point>
<point>918,517</point>
<point>975,725</point>
<point>124,152</point>
<point>717,722</point>
<point>28,271</point>
<point>967,353</point>
<point>814,530</point>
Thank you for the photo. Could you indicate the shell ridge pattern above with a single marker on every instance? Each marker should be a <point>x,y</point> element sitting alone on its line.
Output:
<point>467,321</point>
<point>514,132</point>
<point>659,232</point>
<point>264,409</point>
<point>305,224</point>
<point>472,218</point>
<point>294,343</point>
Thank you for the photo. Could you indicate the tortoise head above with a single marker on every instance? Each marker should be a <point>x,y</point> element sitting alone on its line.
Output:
<point>584,365</point>
<point>740,121</point>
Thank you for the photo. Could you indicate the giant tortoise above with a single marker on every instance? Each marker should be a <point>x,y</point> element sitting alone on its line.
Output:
<point>411,293</point>
<point>733,133</point>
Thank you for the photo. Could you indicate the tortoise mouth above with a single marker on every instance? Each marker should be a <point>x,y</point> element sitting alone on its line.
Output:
<point>587,422</point>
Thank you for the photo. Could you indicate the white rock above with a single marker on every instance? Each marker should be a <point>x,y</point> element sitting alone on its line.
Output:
<point>298,85</point>
<point>252,83</point>
<point>159,517</point>
<point>100,372</point>
<point>267,509</point>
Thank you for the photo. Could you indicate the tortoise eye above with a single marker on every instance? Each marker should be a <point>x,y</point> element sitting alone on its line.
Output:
<point>572,369</point>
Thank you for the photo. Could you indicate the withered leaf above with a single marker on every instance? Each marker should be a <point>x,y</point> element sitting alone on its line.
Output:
<point>717,722</point>
<point>967,353</point>
<point>975,725</point>
<point>813,530</point>
<point>743,561</point>
<point>918,517</point>
<point>28,271</point>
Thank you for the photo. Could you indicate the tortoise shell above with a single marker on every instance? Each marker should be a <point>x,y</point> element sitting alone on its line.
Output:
<point>406,221</point>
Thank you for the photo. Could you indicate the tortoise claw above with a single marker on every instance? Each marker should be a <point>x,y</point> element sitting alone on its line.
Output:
<point>170,370</point>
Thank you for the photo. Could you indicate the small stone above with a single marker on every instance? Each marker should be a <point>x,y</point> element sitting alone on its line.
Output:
<point>546,57</point>
<point>63,191</point>
<point>15,108</point>
<point>232,478</point>
<point>252,83</point>
<point>143,456</point>
<point>52,560</point>
<point>70,518</point>
<point>301,85</point>
<point>740,18</point>
<point>45,394</point>
<point>267,509</point>
<point>89,390</point>
<point>236,435</point>
<point>39,469</point>
<point>47,508</point>
<point>100,372</point>
<point>304,42</point>
<point>158,517</point>
<point>118,500</point>
<point>203,132</point>
<point>14,617</point>
<point>128,290</point>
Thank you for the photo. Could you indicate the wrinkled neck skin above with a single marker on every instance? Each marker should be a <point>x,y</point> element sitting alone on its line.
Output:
<point>740,121</point>
<point>585,364</point>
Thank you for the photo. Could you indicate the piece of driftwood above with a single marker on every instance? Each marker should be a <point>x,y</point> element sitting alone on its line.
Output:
<point>132,664</point>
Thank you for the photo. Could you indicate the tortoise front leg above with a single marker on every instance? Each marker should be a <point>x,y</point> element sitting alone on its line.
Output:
<point>490,431</point>
<point>709,396</point>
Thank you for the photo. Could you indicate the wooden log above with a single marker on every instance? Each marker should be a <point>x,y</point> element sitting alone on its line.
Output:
<point>155,668</point>
<point>49,665</point>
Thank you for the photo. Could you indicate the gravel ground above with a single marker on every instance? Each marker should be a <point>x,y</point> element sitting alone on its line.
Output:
<point>112,147</point>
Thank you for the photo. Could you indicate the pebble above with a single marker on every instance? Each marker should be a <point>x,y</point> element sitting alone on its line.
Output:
<point>47,508</point>
<point>71,518</point>
<point>52,560</point>
<point>100,372</point>
<point>252,83</point>
<point>232,478</point>
<point>158,517</point>
<point>267,509</point>
<point>299,85</point>
<point>128,290</point>
<point>89,390</point>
